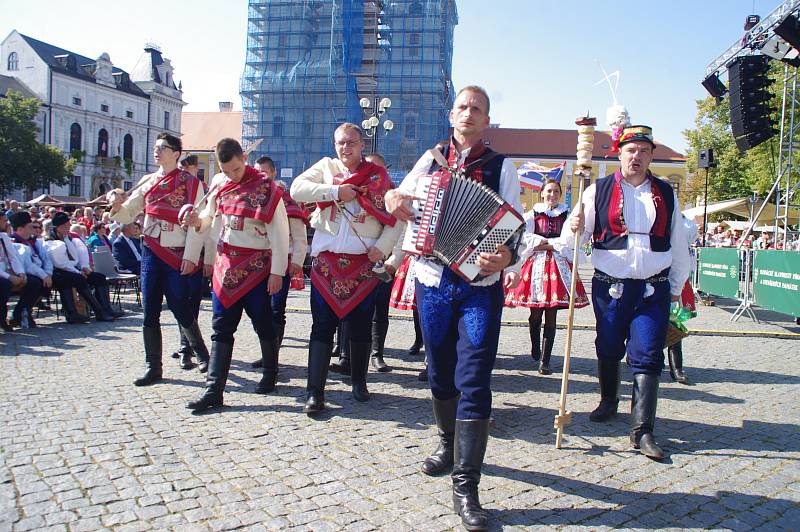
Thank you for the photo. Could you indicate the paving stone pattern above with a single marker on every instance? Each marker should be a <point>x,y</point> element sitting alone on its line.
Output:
<point>81,448</point>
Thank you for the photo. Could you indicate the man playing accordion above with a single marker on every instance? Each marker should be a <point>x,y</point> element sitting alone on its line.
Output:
<point>461,320</point>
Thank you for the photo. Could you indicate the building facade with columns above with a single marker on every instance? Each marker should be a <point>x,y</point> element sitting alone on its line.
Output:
<point>102,116</point>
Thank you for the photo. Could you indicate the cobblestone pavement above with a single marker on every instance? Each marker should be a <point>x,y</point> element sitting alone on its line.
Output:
<point>83,449</point>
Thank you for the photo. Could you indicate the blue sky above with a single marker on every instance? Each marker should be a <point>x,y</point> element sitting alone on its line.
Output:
<point>539,60</point>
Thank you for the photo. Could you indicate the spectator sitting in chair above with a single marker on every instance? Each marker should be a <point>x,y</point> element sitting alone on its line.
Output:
<point>99,240</point>
<point>37,265</point>
<point>127,250</point>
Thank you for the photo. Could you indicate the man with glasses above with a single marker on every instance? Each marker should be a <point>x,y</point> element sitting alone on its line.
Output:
<point>353,231</point>
<point>170,255</point>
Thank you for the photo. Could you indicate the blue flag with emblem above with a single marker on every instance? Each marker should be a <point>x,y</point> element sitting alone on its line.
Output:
<point>533,176</point>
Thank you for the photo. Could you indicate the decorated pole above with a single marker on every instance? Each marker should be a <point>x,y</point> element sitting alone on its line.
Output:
<point>583,170</point>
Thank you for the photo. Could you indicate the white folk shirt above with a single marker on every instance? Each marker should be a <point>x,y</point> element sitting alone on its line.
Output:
<point>10,262</point>
<point>168,234</point>
<point>333,230</point>
<point>254,234</point>
<point>637,261</point>
<point>69,254</point>
<point>428,271</point>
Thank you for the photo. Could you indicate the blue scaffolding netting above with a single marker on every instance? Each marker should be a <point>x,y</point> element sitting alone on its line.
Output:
<point>310,62</point>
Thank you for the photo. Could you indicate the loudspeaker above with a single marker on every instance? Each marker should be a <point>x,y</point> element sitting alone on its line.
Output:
<point>789,30</point>
<point>705,159</point>
<point>749,101</point>
<point>714,86</point>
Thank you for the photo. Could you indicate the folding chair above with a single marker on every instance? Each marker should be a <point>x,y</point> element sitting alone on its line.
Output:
<point>104,263</point>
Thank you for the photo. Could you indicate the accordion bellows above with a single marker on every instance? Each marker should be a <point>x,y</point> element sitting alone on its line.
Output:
<point>457,219</point>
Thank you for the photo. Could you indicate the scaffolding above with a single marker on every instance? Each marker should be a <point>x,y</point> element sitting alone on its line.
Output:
<point>310,62</point>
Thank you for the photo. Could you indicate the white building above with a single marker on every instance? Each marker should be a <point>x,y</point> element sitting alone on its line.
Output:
<point>95,111</point>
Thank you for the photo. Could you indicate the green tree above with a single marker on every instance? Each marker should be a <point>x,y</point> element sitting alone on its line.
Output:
<point>24,162</point>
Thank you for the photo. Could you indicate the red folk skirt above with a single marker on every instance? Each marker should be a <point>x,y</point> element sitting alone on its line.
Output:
<point>545,282</point>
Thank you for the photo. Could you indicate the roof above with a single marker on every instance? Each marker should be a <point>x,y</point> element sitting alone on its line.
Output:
<point>202,130</point>
<point>7,83</point>
<point>559,143</point>
<point>48,53</point>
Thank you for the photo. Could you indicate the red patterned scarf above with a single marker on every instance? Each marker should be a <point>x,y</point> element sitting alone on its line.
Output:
<point>171,192</point>
<point>343,280</point>
<point>293,209</point>
<point>238,270</point>
<point>374,183</point>
<point>254,196</point>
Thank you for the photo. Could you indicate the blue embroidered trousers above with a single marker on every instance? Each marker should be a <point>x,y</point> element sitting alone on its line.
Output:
<point>633,323</point>
<point>461,327</point>
<point>325,319</point>
<point>160,280</point>
<point>257,304</point>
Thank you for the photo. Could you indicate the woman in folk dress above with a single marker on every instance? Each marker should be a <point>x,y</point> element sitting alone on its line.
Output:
<point>546,273</point>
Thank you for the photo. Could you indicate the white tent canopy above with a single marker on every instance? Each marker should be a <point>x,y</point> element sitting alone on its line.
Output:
<point>741,207</point>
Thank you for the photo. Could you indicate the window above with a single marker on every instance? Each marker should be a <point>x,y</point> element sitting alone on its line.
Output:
<point>201,174</point>
<point>103,107</point>
<point>166,120</point>
<point>75,185</point>
<point>277,126</point>
<point>128,114</point>
<point>410,126</point>
<point>75,137</point>
<point>13,61</point>
<point>102,143</point>
<point>414,44</point>
<point>282,46</point>
<point>76,101</point>
<point>127,185</point>
<point>127,147</point>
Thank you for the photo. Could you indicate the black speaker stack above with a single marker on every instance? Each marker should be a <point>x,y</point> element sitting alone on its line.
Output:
<point>750,101</point>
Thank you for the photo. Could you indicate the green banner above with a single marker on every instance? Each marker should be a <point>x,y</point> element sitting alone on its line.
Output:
<point>718,271</point>
<point>776,281</point>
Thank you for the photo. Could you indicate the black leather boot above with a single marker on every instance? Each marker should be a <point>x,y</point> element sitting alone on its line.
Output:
<point>359,365</point>
<point>422,376</point>
<point>444,412</point>
<point>379,331</point>
<point>416,347</point>
<point>608,375</point>
<point>195,339</point>
<point>549,338</point>
<point>104,298</point>
<point>470,447</point>
<point>675,357</point>
<point>184,348</point>
<point>535,327</point>
<point>279,329</point>
<point>342,349</point>
<point>643,415</point>
<point>100,313</point>
<point>269,357</point>
<point>319,356</point>
<point>218,368</point>
<point>152,356</point>
<point>70,310</point>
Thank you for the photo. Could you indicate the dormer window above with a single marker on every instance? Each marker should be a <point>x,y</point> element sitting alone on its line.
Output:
<point>13,61</point>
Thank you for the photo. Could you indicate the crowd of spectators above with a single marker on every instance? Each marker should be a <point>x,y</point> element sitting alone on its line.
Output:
<point>720,237</point>
<point>53,249</point>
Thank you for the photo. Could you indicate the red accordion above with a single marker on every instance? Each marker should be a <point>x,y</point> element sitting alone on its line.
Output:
<point>457,219</point>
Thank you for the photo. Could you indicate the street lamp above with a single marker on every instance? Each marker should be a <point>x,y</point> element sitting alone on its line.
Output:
<point>373,110</point>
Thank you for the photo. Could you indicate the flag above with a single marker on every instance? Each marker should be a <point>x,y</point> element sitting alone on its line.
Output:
<point>533,176</point>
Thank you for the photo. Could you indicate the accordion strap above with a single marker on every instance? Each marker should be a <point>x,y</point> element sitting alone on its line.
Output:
<point>440,159</point>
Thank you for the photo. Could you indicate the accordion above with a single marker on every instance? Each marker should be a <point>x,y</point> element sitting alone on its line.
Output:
<point>456,219</point>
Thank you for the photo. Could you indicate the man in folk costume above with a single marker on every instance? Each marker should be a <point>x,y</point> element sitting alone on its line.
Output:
<point>190,164</point>
<point>298,247</point>
<point>641,262</point>
<point>246,212</point>
<point>37,266</point>
<point>170,255</point>
<point>353,232</point>
<point>460,320</point>
<point>13,278</point>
